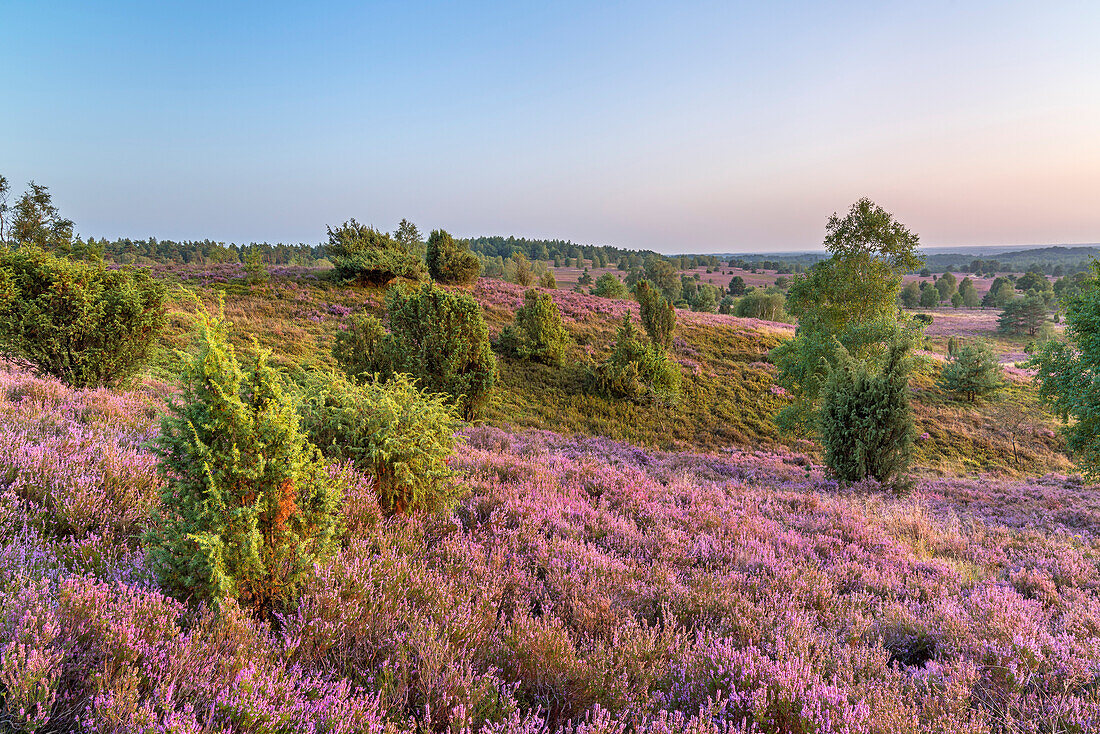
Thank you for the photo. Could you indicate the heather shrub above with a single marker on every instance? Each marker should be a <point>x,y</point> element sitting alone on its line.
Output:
<point>658,314</point>
<point>437,337</point>
<point>77,321</point>
<point>865,421</point>
<point>362,254</point>
<point>393,432</point>
<point>30,671</point>
<point>247,506</point>
<point>635,370</point>
<point>538,333</point>
<point>450,261</point>
<point>972,372</point>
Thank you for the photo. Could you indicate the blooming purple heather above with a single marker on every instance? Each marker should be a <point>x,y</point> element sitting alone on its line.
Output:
<point>581,585</point>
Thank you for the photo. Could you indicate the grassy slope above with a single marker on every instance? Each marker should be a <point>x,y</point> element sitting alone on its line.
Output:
<point>727,387</point>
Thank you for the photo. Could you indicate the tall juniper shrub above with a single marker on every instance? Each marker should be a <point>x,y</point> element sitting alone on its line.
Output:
<point>538,333</point>
<point>247,506</point>
<point>865,421</point>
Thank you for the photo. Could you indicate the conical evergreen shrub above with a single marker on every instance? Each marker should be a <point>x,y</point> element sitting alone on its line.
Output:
<point>247,506</point>
<point>865,421</point>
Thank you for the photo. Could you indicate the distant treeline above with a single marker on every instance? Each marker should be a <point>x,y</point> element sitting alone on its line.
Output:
<point>202,252</point>
<point>1056,261</point>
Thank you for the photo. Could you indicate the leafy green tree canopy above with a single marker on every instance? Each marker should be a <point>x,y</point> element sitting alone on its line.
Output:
<point>849,300</point>
<point>1069,373</point>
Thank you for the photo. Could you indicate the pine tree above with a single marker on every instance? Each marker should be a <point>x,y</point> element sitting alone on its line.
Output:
<point>972,372</point>
<point>246,506</point>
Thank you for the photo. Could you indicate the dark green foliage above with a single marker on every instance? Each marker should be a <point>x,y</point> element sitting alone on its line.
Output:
<point>1031,281</point>
<point>727,305</point>
<point>759,304</point>
<point>585,279</point>
<point>364,255</point>
<point>1000,293</point>
<point>392,431</point>
<point>972,372</point>
<point>1023,315</point>
<point>635,371</point>
<point>36,221</point>
<point>609,286</point>
<point>1068,370</point>
<point>247,506</point>
<point>737,286</point>
<point>77,321</point>
<point>664,276</point>
<point>437,337</point>
<point>518,270</point>
<point>538,332</point>
<point>929,297</point>
<point>969,293</point>
<point>947,285</point>
<point>408,234</point>
<point>865,421</point>
<point>706,299</point>
<point>450,261</point>
<point>658,314</point>
<point>254,267</point>
<point>910,295</point>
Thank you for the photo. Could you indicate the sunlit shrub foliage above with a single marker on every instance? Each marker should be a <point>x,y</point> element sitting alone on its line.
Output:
<point>77,321</point>
<point>538,332</point>
<point>393,432</point>
<point>247,507</point>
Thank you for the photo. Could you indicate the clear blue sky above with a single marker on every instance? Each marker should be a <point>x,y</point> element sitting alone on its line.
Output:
<point>699,127</point>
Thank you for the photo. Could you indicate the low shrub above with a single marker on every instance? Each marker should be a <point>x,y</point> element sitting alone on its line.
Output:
<point>437,337</point>
<point>247,506</point>
<point>608,285</point>
<point>538,333</point>
<point>972,373</point>
<point>77,321</point>
<point>635,370</point>
<point>392,431</point>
